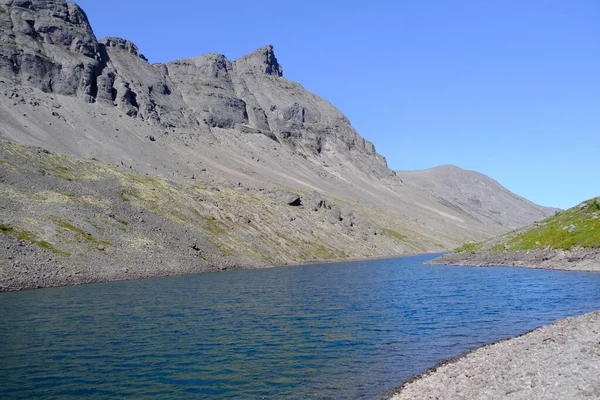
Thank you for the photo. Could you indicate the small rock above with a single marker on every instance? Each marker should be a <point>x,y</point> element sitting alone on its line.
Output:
<point>101,247</point>
<point>243,220</point>
<point>571,228</point>
<point>195,247</point>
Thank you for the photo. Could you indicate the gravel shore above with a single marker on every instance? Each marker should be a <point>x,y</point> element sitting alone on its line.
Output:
<point>558,361</point>
<point>573,260</point>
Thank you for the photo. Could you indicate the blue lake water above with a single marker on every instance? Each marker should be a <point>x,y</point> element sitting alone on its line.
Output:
<point>342,331</point>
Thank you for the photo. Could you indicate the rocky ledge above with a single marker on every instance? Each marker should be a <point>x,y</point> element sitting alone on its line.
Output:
<point>572,260</point>
<point>559,361</point>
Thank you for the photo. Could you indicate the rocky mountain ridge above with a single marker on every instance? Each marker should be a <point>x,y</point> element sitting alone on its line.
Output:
<point>51,46</point>
<point>206,122</point>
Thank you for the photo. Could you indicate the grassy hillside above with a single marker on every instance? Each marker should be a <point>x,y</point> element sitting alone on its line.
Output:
<point>577,227</point>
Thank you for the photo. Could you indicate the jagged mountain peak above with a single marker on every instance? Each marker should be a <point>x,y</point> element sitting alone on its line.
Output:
<point>261,60</point>
<point>122,44</point>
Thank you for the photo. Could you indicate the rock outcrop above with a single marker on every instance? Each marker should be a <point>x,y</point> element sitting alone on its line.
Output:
<point>50,45</point>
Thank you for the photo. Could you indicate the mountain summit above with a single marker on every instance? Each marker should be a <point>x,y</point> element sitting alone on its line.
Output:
<point>261,60</point>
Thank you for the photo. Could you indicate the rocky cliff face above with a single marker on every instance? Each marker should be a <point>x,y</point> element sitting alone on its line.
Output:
<point>50,45</point>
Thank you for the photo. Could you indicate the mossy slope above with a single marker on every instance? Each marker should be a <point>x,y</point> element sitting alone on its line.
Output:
<point>577,227</point>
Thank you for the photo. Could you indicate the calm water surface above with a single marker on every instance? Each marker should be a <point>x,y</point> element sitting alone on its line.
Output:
<point>343,331</point>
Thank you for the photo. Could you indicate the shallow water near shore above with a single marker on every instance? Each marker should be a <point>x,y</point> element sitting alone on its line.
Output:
<point>343,331</point>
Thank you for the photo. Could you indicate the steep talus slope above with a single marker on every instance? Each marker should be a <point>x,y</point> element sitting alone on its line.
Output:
<point>475,194</point>
<point>66,221</point>
<point>212,122</point>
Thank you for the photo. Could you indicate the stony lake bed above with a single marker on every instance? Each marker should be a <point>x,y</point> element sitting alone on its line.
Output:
<point>344,331</point>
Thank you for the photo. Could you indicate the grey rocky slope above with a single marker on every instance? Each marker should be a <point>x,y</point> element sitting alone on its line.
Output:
<point>559,361</point>
<point>205,122</point>
<point>472,193</point>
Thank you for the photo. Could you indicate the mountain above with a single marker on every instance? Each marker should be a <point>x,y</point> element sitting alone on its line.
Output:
<point>472,194</point>
<point>569,239</point>
<point>192,165</point>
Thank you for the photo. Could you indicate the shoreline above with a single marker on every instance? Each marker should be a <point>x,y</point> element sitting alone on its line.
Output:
<point>83,279</point>
<point>560,360</point>
<point>585,260</point>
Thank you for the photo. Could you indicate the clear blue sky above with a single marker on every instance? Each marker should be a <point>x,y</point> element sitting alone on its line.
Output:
<point>507,88</point>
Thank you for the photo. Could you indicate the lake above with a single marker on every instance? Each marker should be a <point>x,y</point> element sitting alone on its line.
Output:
<point>336,331</point>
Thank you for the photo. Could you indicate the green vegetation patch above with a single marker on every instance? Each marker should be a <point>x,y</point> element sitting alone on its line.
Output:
<point>319,251</point>
<point>466,248</point>
<point>5,44</point>
<point>30,237</point>
<point>576,227</point>
<point>393,234</point>
<point>213,226</point>
<point>49,246</point>
<point>121,221</point>
<point>6,229</point>
<point>87,237</point>
<point>566,230</point>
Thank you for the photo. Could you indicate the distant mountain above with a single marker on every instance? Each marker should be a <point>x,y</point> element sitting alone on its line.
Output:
<point>474,195</point>
<point>196,164</point>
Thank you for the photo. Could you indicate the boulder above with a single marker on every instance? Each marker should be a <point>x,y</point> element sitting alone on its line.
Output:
<point>335,215</point>
<point>293,200</point>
